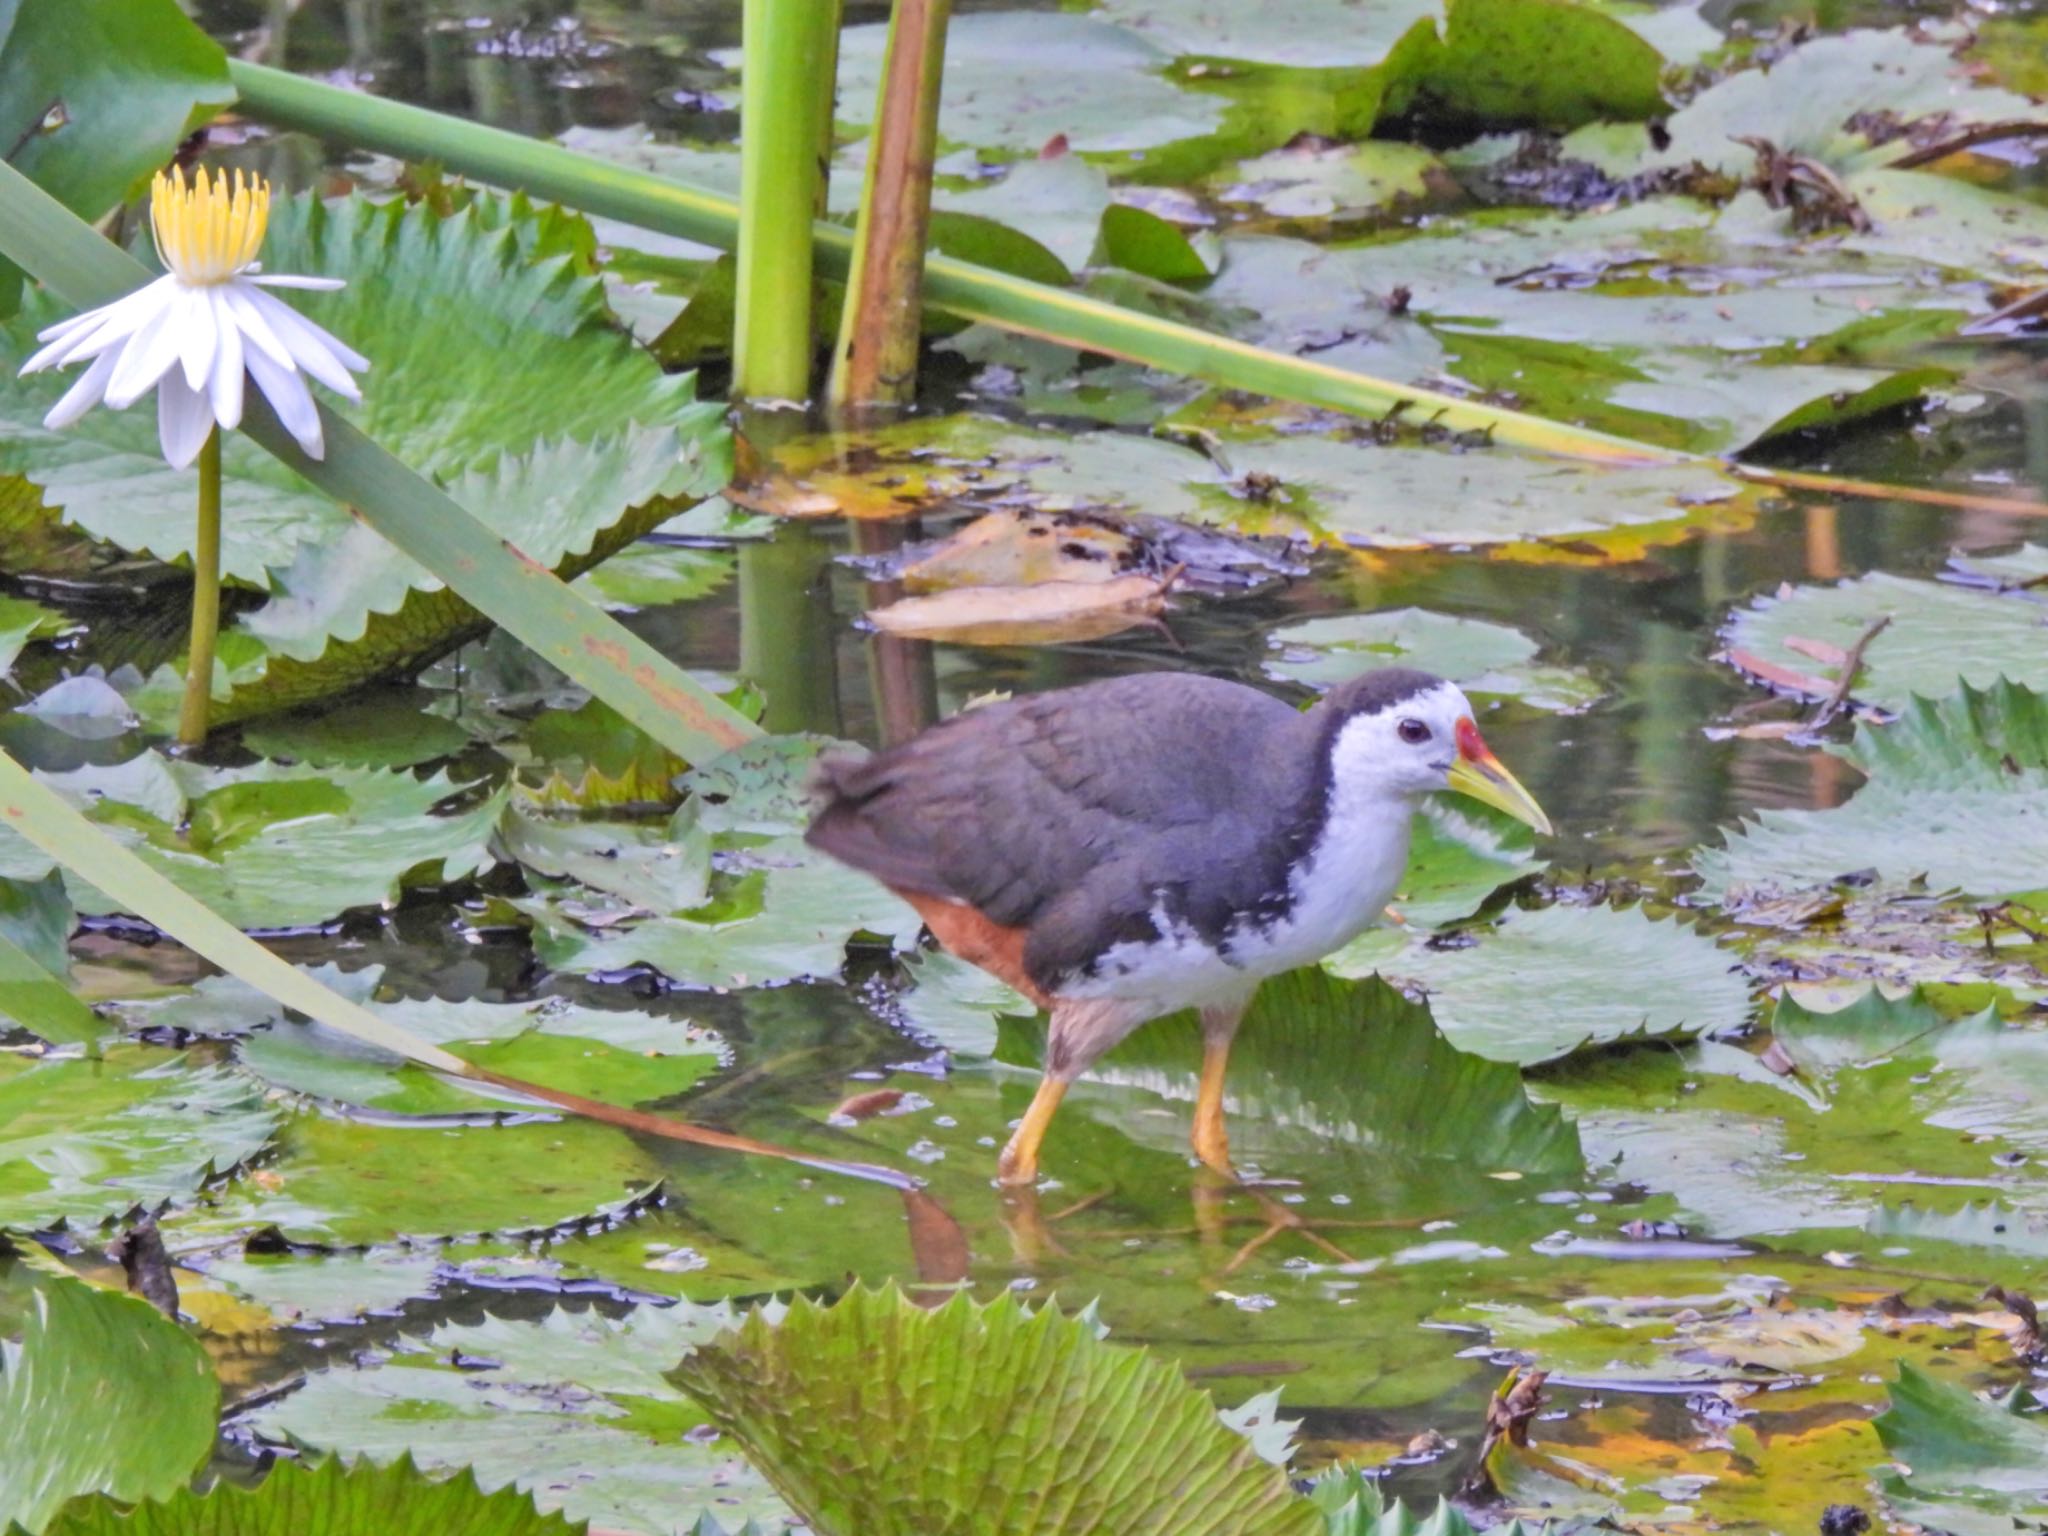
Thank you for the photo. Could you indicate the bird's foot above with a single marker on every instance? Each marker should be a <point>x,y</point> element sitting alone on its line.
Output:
<point>1212,1196</point>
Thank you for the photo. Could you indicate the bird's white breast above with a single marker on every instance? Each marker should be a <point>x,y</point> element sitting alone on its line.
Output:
<point>1339,889</point>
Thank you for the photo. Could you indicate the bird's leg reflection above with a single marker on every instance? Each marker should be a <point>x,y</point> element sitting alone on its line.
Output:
<point>1022,1216</point>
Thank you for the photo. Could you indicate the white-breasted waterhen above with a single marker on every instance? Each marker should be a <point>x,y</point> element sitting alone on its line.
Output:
<point>1132,847</point>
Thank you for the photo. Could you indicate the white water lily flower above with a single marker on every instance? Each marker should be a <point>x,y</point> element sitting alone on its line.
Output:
<point>193,332</point>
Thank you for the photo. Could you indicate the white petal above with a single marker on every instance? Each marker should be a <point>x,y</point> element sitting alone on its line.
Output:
<point>226,385</point>
<point>75,339</point>
<point>182,420</point>
<point>84,394</point>
<point>286,391</point>
<point>146,357</point>
<point>323,284</point>
<point>200,342</point>
<point>237,307</point>
<point>312,349</point>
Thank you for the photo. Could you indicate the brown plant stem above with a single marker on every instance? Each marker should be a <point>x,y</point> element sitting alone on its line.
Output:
<point>874,364</point>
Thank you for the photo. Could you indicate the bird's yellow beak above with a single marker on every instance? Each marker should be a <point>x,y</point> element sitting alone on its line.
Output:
<point>1478,773</point>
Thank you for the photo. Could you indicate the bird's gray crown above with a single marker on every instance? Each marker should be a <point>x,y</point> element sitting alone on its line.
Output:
<point>1373,692</point>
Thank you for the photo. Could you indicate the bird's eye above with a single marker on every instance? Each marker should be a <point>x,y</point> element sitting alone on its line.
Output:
<point>1414,732</point>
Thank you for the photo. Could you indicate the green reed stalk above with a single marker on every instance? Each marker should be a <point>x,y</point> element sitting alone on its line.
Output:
<point>789,51</point>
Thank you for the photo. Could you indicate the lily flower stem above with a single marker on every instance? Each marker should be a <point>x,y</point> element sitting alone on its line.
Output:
<point>197,706</point>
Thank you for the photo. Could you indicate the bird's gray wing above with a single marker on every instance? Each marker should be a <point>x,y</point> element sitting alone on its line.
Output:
<point>1072,809</point>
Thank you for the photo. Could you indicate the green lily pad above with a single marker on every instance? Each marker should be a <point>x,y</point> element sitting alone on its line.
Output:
<point>1957,793</point>
<point>957,1004</point>
<point>385,729</point>
<point>831,1403</point>
<point>1338,184</point>
<point>649,575</point>
<point>1325,488</point>
<point>1482,658</point>
<point>315,1287</point>
<point>1331,1069</point>
<point>297,1497</point>
<point>93,1360</point>
<point>351,1183</point>
<point>1539,985</point>
<point>88,1140</point>
<point>776,910</point>
<point>1649,321</point>
<point>439,305</point>
<point>1935,634</point>
<point>1966,1465</point>
<point>269,846</point>
<point>1817,99</point>
<point>622,1056</point>
<point>23,622</point>
<point>1014,82</point>
<point>572,1409</point>
<point>1895,1104</point>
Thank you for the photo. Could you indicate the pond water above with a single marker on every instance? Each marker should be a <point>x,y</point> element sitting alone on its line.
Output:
<point>1708,1367</point>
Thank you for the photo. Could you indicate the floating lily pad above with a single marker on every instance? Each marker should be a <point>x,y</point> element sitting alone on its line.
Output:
<point>23,622</point>
<point>87,1140</point>
<point>1016,81</point>
<point>270,846</point>
<point>109,1364</point>
<point>1896,1103</point>
<point>1822,99</point>
<point>1539,985</point>
<point>622,1057</point>
<point>439,304</point>
<point>572,1409</point>
<point>296,1497</point>
<point>1332,183</point>
<point>352,1183</point>
<point>776,910</point>
<point>650,575</point>
<point>386,729</point>
<point>1935,635</point>
<point>1331,1069</point>
<point>1957,792</point>
<point>313,1287</point>
<point>1645,321</point>
<point>1480,657</point>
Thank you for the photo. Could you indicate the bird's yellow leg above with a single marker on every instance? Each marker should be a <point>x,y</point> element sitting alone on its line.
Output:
<point>1019,1161</point>
<point>1211,1140</point>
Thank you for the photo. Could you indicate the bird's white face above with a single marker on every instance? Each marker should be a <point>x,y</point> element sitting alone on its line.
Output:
<point>1420,745</point>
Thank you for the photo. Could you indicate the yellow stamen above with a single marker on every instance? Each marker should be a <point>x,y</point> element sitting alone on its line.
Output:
<point>208,231</point>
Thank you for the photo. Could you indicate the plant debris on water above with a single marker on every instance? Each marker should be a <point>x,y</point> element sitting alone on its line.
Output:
<point>1681,1171</point>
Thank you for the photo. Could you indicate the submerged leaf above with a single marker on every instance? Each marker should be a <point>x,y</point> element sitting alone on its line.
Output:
<point>102,1394</point>
<point>835,1405</point>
